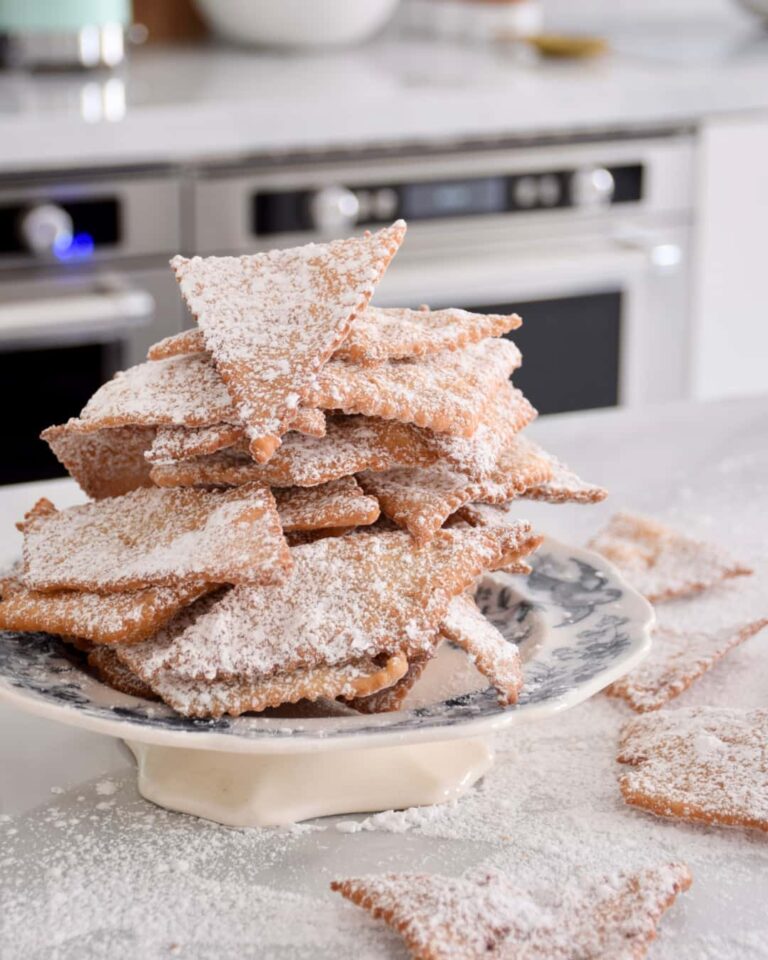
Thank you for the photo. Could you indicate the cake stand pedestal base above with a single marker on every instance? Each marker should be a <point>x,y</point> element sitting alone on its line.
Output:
<point>275,789</point>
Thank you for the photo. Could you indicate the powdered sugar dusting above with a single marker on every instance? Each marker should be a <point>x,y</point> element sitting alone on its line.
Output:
<point>704,763</point>
<point>180,391</point>
<point>384,333</point>
<point>447,392</point>
<point>153,536</point>
<point>478,456</point>
<point>99,617</point>
<point>270,320</point>
<point>396,333</point>
<point>493,655</point>
<point>565,486</point>
<point>129,879</point>
<point>422,498</point>
<point>489,914</point>
<point>676,660</point>
<point>351,444</point>
<point>337,606</point>
<point>662,563</point>
<point>339,503</point>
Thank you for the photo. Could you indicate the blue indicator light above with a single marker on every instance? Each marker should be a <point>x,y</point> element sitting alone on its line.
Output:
<point>78,247</point>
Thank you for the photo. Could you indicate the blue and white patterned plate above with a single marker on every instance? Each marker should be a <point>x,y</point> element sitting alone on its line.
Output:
<point>579,627</point>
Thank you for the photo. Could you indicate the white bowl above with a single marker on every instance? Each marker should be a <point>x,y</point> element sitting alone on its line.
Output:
<point>296,23</point>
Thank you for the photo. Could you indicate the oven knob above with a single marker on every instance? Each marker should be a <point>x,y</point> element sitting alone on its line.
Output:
<point>46,229</point>
<point>592,187</point>
<point>333,209</point>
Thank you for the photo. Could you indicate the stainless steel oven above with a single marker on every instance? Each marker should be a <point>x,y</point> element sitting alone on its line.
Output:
<point>588,241</point>
<point>84,290</point>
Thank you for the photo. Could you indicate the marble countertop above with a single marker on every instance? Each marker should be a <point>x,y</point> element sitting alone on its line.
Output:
<point>213,103</point>
<point>88,869</point>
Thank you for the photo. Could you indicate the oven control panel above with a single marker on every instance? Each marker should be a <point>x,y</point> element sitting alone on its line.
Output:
<point>331,209</point>
<point>70,221</point>
<point>59,230</point>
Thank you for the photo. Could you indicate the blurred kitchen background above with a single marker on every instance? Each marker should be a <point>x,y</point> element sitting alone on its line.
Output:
<point>599,166</point>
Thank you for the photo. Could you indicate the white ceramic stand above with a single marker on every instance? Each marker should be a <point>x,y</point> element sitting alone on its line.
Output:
<point>259,790</point>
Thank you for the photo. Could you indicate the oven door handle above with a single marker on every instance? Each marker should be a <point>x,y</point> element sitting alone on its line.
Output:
<point>97,317</point>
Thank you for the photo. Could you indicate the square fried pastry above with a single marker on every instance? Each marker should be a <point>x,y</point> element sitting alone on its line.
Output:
<point>676,660</point>
<point>337,504</point>
<point>661,563</point>
<point>447,392</point>
<point>182,391</point>
<point>705,764</point>
<point>271,320</point>
<point>153,537</point>
<point>102,618</point>
<point>384,333</point>
<point>360,595</point>
<point>488,916</point>
<point>421,499</point>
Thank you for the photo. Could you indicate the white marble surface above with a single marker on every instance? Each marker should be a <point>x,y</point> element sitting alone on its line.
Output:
<point>89,870</point>
<point>218,103</point>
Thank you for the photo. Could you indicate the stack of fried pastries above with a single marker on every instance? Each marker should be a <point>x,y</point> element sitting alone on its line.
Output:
<point>294,499</point>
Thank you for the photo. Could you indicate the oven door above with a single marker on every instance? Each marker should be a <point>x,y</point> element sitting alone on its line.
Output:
<point>604,317</point>
<point>60,339</point>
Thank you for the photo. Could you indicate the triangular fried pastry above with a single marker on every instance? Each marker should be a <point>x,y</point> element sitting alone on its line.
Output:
<point>676,660</point>
<point>106,463</point>
<point>213,698</point>
<point>157,538</point>
<point>704,764</point>
<point>351,444</point>
<point>447,392</point>
<point>421,499</point>
<point>384,333</point>
<point>489,916</point>
<point>661,563</point>
<point>493,655</point>
<point>99,617</point>
<point>271,320</point>
<point>339,503</point>
<point>108,667</point>
<point>349,597</point>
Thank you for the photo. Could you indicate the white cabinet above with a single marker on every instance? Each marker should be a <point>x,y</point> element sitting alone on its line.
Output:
<point>730,308</point>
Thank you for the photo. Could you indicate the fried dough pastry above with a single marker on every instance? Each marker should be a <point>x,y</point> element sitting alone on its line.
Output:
<point>157,538</point>
<point>271,320</point>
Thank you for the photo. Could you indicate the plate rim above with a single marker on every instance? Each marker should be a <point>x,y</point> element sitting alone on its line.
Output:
<point>296,742</point>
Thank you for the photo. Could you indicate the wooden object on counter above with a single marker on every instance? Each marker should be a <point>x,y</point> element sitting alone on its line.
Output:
<point>171,21</point>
